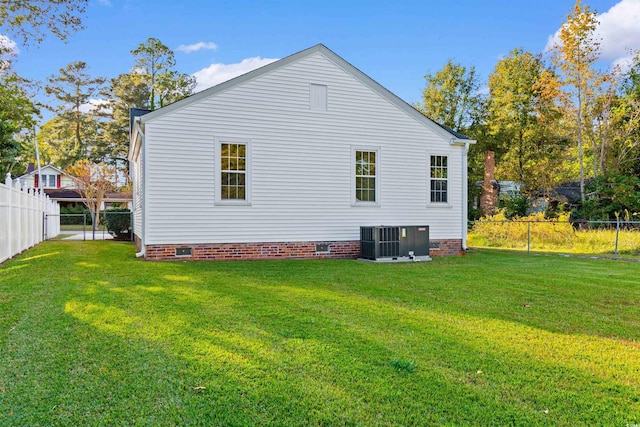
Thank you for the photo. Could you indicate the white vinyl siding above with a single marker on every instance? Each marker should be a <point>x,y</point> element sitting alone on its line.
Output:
<point>136,180</point>
<point>301,163</point>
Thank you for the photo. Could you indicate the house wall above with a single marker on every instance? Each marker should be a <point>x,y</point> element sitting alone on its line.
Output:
<point>301,163</point>
<point>29,180</point>
<point>136,179</point>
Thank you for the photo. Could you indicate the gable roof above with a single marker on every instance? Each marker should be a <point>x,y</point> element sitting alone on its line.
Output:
<point>35,171</point>
<point>453,137</point>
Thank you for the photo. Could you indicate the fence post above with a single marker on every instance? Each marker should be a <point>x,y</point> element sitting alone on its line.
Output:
<point>615,253</point>
<point>528,237</point>
<point>9,185</point>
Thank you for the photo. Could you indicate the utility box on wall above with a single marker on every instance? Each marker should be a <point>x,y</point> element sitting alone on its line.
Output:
<point>395,243</point>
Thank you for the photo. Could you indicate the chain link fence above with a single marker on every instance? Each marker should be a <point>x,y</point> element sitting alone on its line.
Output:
<point>606,239</point>
<point>109,226</point>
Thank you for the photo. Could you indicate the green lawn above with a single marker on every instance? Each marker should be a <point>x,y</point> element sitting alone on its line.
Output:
<point>89,335</point>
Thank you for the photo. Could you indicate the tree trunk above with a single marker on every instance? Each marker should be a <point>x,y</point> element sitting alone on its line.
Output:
<point>580,154</point>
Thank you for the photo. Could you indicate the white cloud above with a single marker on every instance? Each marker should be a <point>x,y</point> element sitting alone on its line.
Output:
<point>623,64</point>
<point>618,31</point>
<point>218,73</point>
<point>105,2</point>
<point>188,48</point>
<point>95,105</point>
<point>8,46</point>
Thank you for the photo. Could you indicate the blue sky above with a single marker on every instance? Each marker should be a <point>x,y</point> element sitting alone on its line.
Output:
<point>394,42</point>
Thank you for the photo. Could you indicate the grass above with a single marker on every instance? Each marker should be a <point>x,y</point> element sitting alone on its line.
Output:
<point>89,335</point>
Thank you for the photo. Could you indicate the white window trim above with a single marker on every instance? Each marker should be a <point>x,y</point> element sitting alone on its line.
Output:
<point>352,165</point>
<point>217,180</point>
<point>446,204</point>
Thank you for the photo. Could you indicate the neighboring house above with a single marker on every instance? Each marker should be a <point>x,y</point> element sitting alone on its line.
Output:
<point>288,161</point>
<point>52,178</point>
<point>62,187</point>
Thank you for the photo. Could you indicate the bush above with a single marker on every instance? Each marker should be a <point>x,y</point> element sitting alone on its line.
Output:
<point>118,222</point>
<point>609,197</point>
<point>75,220</point>
<point>515,206</point>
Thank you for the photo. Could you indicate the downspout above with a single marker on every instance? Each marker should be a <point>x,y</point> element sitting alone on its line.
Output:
<point>143,189</point>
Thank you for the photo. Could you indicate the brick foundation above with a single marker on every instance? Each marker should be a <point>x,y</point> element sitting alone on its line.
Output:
<point>278,250</point>
<point>446,247</point>
<point>256,251</point>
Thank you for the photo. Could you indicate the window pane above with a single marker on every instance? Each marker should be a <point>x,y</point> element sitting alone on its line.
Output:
<point>438,175</point>
<point>233,164</point>
<point>365,179</point>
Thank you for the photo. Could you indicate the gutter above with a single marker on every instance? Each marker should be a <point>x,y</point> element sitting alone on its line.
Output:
<point>143,189</point>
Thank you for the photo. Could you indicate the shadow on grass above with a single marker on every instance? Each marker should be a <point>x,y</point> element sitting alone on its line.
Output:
<point>314,343</point>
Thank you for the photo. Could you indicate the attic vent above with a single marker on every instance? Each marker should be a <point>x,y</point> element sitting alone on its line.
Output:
<point>183,251</point>
<point>318,97</point>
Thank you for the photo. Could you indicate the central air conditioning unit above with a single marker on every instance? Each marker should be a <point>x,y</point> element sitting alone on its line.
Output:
<point>395,243</point>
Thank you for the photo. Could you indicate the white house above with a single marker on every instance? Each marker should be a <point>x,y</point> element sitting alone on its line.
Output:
<point>52,178</point>
<point>61,187</point>
<point>288,161</point>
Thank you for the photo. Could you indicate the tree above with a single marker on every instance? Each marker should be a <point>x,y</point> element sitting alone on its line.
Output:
<point>93,180</point>
<point>574,55</point>
<point>123,92</point>
<point>154,64</point>
<point>57,140</point>
<point>30,19</point>
<point>74,88</point>
<point>624,129</point>
<point>451,96</point>
<point>152,83</point>
<point>17,114</point>
<point>523,120</point>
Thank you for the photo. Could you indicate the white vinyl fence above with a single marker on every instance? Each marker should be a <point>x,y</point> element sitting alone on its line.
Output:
<point>27,217</point>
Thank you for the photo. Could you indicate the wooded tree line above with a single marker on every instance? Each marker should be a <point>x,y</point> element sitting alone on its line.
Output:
<point>91,118</point>
<point>550,117</point>
<point>91,114</point>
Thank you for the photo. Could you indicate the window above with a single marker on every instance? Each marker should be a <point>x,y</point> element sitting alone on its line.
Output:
<point>48,181</point>
<point>233,171</point>
<point>318,97</point>
<point>233,158</point>
<point>365,171</point>
<point>438,178</point>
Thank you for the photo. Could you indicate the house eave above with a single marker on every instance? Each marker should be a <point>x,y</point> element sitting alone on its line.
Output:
<point>460,142</point>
